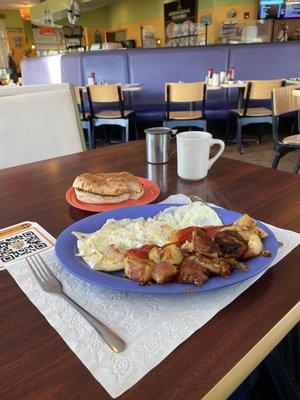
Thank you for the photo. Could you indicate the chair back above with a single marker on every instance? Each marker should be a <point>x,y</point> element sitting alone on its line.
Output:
<point>37,123</point>
<point>283,100</point>
<point>108,93</point>
<point>78,91</point>
<point>262,89</point>
<point>191,93</point>
<point>80,101</point>
<point>185,92</point>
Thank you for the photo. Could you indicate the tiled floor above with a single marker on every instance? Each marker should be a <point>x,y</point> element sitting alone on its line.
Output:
<point>262,154</point>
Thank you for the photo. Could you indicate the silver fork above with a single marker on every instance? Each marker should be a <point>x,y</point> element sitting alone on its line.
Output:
<point>50,284</point>
<point>194,197</point>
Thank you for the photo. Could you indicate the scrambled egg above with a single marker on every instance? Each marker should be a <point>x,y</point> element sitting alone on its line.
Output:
<point>104,249</point>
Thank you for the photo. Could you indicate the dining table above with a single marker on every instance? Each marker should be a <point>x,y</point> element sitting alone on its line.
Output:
<point>36,363</point>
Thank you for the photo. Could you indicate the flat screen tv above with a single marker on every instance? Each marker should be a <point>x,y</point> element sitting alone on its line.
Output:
<point>278,9</point>
<point>292,9</point>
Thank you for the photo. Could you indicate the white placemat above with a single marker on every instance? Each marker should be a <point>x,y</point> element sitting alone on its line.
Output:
<point>152,326</point>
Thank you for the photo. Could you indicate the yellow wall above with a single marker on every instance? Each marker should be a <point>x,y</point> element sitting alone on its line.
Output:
<point>13,20</point>
<point>219,15</point>
<point>131,14</point>
<point>133,29</point>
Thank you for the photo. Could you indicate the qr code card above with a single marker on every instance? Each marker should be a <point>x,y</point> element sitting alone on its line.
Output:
<point>23,240</point>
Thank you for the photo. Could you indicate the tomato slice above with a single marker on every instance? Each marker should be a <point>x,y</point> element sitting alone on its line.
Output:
<point>185,234</point>
<point>141,252</point>
<point>213,230</point>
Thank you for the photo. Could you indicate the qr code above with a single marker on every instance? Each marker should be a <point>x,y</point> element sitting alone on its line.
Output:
<point>20,245</point>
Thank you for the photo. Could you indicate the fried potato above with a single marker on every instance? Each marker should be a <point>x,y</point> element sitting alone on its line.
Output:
<point>255,246</point>
<point>245,223</point>
<point>171,254</point>
<point>154,254</point>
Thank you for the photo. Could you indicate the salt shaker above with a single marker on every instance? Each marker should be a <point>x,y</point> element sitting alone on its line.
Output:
<point>215,79</point>
<point>222,76</point>
<point>91,79</point>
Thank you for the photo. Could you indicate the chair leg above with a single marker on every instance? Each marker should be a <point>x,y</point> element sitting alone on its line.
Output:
<point>127,131</point>
<point>276,159</point>
<point>226,137</point>
<point>105,134</point>
<point>136,128</point>
<point>123,134</point>
<point>93,128</point>
<point>259,134</point>
<point>294,124</point>
<point>90,135</point>
<point>239,135</point>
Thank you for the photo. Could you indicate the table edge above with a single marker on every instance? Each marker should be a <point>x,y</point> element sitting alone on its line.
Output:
<point>226,386</point>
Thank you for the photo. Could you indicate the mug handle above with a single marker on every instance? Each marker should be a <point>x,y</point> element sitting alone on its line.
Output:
<point>222,147</point>
<point>174,133</point>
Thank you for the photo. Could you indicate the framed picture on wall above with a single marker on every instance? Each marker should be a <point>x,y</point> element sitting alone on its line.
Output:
<point>286,29</point>
<point>180,19</point>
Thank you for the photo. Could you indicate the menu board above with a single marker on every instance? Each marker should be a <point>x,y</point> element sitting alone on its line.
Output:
<point>278,9</point>
<point>180,23</point>
<point>53,40</point>
<point>292,9</point>
<point>269,9</point>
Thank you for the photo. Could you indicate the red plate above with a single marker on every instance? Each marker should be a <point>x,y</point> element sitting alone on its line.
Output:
<point>151,192</point>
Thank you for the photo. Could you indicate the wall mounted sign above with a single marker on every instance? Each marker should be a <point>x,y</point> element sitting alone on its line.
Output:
<point>232,13</point>
<point>180,22</point>
<point>206,19</point>
<point>97,36</point>
<point>18,41</point>
<point>53,40</point>
<point>228,29</point>
<point>148,36</point>
<point>14,29</point>
<point>47,17</point>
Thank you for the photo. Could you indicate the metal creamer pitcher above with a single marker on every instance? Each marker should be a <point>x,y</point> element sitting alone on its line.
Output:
<point>158,141</point>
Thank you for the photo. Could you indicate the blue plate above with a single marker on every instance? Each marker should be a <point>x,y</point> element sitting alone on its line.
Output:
<point>66,249</point>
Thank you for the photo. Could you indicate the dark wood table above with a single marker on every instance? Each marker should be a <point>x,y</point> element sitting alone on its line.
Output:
<point>35,361</point>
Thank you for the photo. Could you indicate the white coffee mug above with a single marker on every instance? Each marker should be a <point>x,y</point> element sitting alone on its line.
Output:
<point>193,149</point>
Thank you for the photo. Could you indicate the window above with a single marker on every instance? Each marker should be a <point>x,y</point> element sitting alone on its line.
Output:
<point>3,45</point>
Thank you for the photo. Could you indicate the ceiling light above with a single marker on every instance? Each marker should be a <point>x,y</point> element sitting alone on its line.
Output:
<point>25,13</point>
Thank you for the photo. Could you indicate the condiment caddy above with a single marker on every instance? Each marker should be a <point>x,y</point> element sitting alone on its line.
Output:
<point>214,78</point>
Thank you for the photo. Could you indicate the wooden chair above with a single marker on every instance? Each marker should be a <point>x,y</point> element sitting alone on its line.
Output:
<point>186,93</point>
<point>285,100</point>
<point>255,90</point>
<point>110,94</point>
<point>86,120</point>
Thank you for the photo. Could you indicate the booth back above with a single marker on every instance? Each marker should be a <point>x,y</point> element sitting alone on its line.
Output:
<point>71,69</point>
<point>266,60</point>
<point>154,67</point>
<point>109,66</point>
<point>42,70</point>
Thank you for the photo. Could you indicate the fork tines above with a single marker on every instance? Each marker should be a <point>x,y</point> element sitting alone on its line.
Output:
<point>39,268</point>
